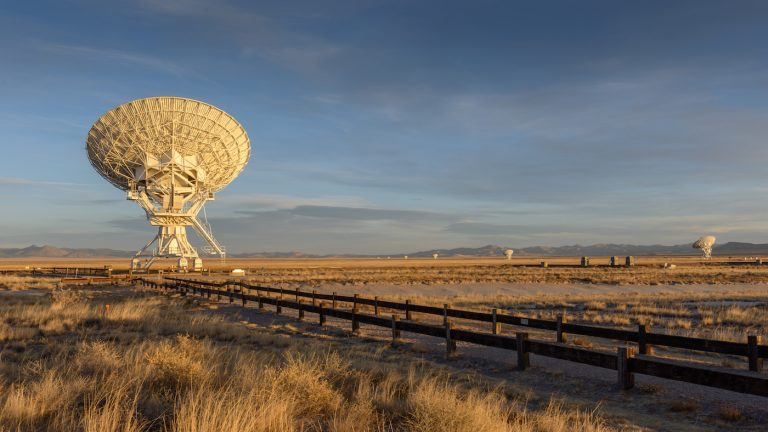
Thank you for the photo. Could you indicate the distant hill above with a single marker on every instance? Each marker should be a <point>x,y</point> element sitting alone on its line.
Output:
<point>57,252</point>
<point>731,248</point>
<point>609,249</point>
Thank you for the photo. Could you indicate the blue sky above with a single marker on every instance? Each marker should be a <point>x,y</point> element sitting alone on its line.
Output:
<point>394,126</point>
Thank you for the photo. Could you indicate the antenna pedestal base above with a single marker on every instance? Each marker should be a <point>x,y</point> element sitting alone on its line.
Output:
<point>170,242</point>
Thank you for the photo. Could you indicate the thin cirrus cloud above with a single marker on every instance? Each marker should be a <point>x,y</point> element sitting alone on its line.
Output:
<point>120,56</point>
<point>17,181</point>
<point>286,201</point>
<point>362,214</point>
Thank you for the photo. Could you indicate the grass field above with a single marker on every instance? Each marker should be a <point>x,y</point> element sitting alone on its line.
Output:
<point>152,364</point>
<point>313,272</point>
<point>155,363</point>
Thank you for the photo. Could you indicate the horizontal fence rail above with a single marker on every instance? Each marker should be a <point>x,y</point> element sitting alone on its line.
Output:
<point>624,361</point>
<point>69,271</point>
<point>643,337</point>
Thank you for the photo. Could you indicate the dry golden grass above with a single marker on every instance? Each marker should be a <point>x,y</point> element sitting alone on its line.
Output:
<point>730,413</point>
<point>727,315</point>
<point>313,272</point>
<point>683,405</point>
<point>150,365</point>
<point>437,274</point>
<point>15,283</point>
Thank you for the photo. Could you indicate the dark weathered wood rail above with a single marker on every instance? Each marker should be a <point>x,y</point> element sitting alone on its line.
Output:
<point>624,361</point>
<point>72,271</point>
<point>661,339</point>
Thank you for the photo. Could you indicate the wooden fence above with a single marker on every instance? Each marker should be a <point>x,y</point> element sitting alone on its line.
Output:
<point>643,337</point>
<point>624,361</point>
<point>72,271</point>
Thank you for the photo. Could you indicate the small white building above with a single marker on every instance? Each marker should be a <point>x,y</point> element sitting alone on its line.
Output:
<point>237,272</point>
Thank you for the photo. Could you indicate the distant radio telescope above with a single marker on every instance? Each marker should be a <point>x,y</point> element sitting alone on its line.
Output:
<point>434,256</point>
<point>171,155</point>
<point>705,244</point>
<point>509,253</point>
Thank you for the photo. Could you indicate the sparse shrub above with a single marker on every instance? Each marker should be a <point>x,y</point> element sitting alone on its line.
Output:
<point>438,406</point>
<point>18,283</point>
<point>730,413</point>
<point>595,305</point>
<point>176,366</point>
<point>683,405</point>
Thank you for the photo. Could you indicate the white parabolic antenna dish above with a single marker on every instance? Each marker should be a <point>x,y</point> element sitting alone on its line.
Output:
<point>170,154</point>
<point>120,140</point>
<point>705,244</point>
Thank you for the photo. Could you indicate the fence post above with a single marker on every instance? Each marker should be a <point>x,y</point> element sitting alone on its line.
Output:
<point>642,339</point>
<point>355,322</point>
<point>301,309</point>
<point>242,293</point>
<point>561,338</point>
<point>208,292</point>
<point>376,305</point>
<point>261,299</point>
<point>625,376</point>
<point>321,315</point>
<point>755,362</point>
<point>229,290</point>
<point>278,307</point>
<point>354,301</point>
<point>495,324</point>
<point>523,359</point>
<point>298,289</point>
<point>314,293</point>
<point>395,330</point>
<point>333,300</point>
<point>408,310</point>
<point>450,344</point>
<point>445,313</point>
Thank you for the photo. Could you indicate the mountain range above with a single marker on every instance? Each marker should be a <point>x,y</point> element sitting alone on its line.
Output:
<point>608,249</point>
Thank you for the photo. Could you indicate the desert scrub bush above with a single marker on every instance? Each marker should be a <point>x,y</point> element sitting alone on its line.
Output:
<point>18,283</point>
<point>683,405</point>
<point>434,405</point>
<point>730,413</point>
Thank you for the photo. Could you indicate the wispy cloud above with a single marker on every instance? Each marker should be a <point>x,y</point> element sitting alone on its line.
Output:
<point>257,34</point>
<point>106,54</point>
<point>369,214</point>
<point>16,181</point>
<point>289,201</point>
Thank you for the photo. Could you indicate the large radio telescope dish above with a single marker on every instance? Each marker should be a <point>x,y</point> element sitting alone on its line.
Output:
<point>119,141</point>
<point>705,244</point>
<point>171,155</point>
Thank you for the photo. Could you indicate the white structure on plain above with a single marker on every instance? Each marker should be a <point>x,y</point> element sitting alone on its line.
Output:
<point>434,256</point>
<point>705,244</point>
<point>171,155</point>
<point>509,253</point>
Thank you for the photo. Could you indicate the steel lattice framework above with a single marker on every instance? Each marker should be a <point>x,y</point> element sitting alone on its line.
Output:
<point>171,155</point>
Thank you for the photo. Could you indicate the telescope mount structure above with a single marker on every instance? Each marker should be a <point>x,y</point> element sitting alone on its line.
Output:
<point>170,155</point>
